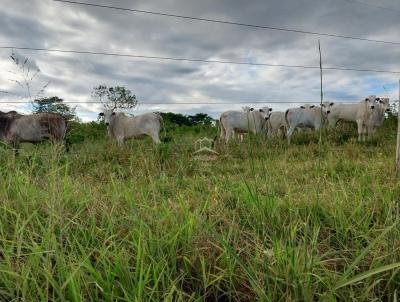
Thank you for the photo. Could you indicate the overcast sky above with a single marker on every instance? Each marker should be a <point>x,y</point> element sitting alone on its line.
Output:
<point>48,24</point>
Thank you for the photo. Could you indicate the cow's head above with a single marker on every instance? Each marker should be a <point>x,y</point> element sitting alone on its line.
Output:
<point>108,116</point>
<point>326,107</point>
<point>307,106</point>
<point>247,109</point>
<point>265,112</point>
<point>383,104</point>
<point>370,101</point>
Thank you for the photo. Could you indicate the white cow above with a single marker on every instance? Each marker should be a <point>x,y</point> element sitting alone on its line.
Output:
<point>378,115</point>
<point>253,121</point>
<point>307,116</point>
<point>241,135</point>
<point>358,113</point>
<point>277,124</point>
<point>122,127</point>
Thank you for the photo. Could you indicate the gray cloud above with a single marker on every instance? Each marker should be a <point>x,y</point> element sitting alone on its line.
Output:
<point>51,24</point>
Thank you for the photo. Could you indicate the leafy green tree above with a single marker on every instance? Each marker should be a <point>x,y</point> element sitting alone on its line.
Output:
<point>117,97</point>
<point>187,120</point>
<point>175,119</point>
<point>200,119</point>
<point>55,104</point>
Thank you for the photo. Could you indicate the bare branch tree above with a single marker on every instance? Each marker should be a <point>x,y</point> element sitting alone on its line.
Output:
<point>25,75</point>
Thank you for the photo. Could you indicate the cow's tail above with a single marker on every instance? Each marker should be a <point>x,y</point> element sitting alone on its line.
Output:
<point>64,134</point>
<point>286,119</point>
<point>220,132</point>
<point>165,139</point>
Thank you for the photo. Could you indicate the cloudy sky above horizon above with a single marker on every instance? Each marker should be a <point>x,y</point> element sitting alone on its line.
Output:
<point>49,24</point>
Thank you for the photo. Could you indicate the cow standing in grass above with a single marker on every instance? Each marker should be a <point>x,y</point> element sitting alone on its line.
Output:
<point>122,127</point>
<point>357,112</point>
<point>33,128</point>
<point>382,106</point>
<point>304,117</point>
<point>250,121</point>
<point>277,124</point>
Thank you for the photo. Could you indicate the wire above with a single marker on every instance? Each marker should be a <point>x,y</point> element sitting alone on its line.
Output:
<point>373,5</point>
<point>195,60</point>
<point>228,22</point>
<point>179,103</point>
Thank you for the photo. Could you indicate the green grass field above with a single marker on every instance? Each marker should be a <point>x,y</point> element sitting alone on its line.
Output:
<point>261,222</point>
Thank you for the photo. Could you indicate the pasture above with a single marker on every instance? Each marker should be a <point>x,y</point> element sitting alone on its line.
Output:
<point>261,222</point>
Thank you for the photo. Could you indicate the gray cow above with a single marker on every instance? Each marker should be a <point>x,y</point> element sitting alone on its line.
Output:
<point>277,124</point>
<point>122,127</point>
<point>33,128</point>
<point>357,112</point>
<point>250,121</point>
<point>304,117</point>
<point>378,115</point>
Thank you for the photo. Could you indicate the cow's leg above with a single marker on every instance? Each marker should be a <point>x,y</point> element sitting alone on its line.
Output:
<point>15,146</point>
<point>229,134</point>
<point>223,131</point>
<point>364,133</point>
<point>282,132</point>
<point>290,133</point>
<point>271,133</point>
<point>155,138</point>
<point>120,141</point>
<point>360,130</point>
<point>67,145</point>
<point>332,123</point>
<point>371,131</point>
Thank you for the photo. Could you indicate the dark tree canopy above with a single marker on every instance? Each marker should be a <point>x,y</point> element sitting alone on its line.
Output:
<point>200,119</point>
<point>54,104</point>
<point>117,97</point>
<point>187,120</point>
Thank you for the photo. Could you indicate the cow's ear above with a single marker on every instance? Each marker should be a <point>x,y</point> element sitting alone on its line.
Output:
<point>312,106</point>
<point>113,113</point>
<point>302,107</point>
<point>270,109</point>
<point>367,99</point>
<point>261,110</point>
<point>377,99</point>
<point>331,104</point>
<point>101,114</point>
<point>251,109</point>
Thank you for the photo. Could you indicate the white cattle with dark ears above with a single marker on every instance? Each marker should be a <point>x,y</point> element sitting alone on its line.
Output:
<point>250,121</point>
<point>122,127</point>
<point>358,113</point>
<point>307,116</point>
<point>378,115</point>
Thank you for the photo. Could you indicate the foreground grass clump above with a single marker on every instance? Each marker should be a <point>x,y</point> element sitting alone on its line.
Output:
<point>261,222</point>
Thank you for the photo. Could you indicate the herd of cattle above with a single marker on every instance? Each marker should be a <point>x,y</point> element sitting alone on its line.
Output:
<point>368,114</point>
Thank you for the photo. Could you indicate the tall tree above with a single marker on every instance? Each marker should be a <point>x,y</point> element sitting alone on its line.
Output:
<point>55,104</point>
<point>117,97</point>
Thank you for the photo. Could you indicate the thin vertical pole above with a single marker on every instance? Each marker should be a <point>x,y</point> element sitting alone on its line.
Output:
<point>398,137</point>
<point>321,121</point>
<point>320,69</point>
